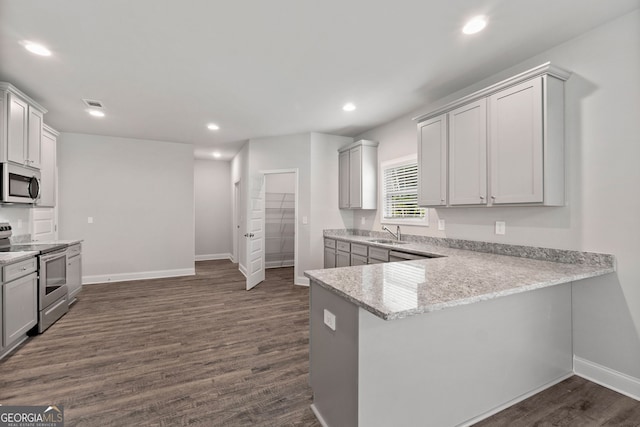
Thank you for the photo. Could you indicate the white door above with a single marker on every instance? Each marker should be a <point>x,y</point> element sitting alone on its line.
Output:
<point>255,232</point>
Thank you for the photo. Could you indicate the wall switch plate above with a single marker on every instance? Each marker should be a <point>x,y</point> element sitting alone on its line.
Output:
<point>305,220</point>
<point>330,319</point>
<point>90,220</point>
<point>441,224</point>
<point>363,220</point>
<point>501,227</point>
<point>19,223</point>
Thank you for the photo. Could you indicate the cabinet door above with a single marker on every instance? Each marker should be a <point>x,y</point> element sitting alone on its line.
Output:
<point>355,177</point>
<point>17,129</point>
<point>468,154</point>
<point>74,275</point>
<point>48,171</point>
<point>358,260</point>
<point>34,138</point>
<point>342,259</point>
<point>20,306</point>
<point>515,141</point>
<point>432,162</point>
<point>343,174</point>
<point>329,258</point>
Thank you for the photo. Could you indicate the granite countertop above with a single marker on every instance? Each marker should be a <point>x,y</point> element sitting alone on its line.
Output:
<point>11,257</point>
<point>457,277</point>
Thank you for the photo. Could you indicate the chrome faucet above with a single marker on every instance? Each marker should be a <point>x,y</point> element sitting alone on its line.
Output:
<point>397,234</point>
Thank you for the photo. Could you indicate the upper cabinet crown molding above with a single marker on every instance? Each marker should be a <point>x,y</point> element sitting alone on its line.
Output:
<point>546,68</point>
<point>8,87</point>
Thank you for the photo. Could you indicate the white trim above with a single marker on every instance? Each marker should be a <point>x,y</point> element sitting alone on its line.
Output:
<point>279,264</point>
<point>512,402</point>
<point>606,377</point>
<point>211,257</point>
<point>142,275</point>
<point>301,281</point>
<point>242,269</point>
<point>321,420</point>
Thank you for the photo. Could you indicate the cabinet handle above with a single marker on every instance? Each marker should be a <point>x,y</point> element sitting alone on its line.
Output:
<point>481,197</point>
<point>493,197</point>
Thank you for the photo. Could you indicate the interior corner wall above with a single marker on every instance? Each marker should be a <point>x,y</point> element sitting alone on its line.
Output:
<point>213,209</point>
<point>140,196</point>
<point>324,210</point>
<point>602,148</point>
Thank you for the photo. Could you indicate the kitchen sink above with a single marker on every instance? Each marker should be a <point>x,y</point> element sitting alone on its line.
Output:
<point>388,241</point>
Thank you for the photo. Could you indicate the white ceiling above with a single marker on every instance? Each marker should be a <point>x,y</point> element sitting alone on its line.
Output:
<point>164,69</point>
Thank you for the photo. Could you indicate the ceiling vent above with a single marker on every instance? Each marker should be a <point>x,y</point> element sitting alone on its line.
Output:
<point>92,103</point>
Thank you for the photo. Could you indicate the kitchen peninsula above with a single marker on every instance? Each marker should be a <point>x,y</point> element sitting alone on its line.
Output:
<point>444,341</point>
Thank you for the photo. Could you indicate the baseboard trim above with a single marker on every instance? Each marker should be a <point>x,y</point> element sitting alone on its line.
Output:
<point>606,377</point>
<point>143,275</point>
<point>321,420</point>
<point>242,269</point>
<point>213,257</point>
<point>301,281</point>
<point>512,402</point>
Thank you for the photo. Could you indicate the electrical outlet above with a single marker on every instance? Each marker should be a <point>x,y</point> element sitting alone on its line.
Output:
<point>441,224</point>
<point>363,220</point>
<point>305,220</point>
<point>90,220</point>
<point>330,319</point>
<point>19,224</point>
<point>501,227</point>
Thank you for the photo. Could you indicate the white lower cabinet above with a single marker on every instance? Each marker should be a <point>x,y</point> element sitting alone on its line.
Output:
<point>20,307</point>
<point>74,271</point>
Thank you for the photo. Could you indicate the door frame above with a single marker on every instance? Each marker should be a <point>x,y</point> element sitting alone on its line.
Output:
<point>296,231</point>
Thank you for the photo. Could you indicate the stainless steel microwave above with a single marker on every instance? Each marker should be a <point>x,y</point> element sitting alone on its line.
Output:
<point>19,184</point>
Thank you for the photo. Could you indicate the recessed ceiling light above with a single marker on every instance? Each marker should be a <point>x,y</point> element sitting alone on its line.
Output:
<point>475,25</point>
<point>36,48</point>
<point>349,107</point>
<point>96,113</point>
<point>213,126</point>
<point>216,154</point>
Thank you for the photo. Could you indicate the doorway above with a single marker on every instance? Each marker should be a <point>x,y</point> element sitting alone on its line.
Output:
<point>282,223</point>
<point>279,220</point>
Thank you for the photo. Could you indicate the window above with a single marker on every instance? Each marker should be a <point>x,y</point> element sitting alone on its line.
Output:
<point>400,193</point>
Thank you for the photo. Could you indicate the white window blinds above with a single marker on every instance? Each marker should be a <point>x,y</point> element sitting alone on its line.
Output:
<point>400,192</point>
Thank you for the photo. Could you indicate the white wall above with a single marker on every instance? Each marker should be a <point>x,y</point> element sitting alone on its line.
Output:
<point>602,101</point>
<point>140,195</point>
<point>19,218</point>
<point>324,188</point>
<point>316,158</point>
<point>213,209</point>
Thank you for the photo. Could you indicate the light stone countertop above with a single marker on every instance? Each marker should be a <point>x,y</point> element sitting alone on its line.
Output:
<point>11,257</point>
<point>401,289</point>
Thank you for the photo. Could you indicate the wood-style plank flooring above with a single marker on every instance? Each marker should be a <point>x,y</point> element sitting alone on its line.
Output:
<point>202,351</point>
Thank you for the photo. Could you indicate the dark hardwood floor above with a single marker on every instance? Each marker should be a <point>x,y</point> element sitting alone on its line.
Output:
<point>202,351</point>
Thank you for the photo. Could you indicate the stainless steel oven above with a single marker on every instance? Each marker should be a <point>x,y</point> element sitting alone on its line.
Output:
<point>19,184</point>
<point>52,284</point>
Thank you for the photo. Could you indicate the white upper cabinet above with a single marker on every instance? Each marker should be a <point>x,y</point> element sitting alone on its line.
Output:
<point>468,154</point>
<point>17,129</point>
<point>21,127</point>
<point>358,171</point>
<point>343,172</point>
<point>34,138</point>
<point>432,162</point>
<point>519,122</point>
<point>48,168</point>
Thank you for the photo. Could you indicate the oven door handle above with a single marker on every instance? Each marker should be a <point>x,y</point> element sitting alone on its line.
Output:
<point>53,255</point>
